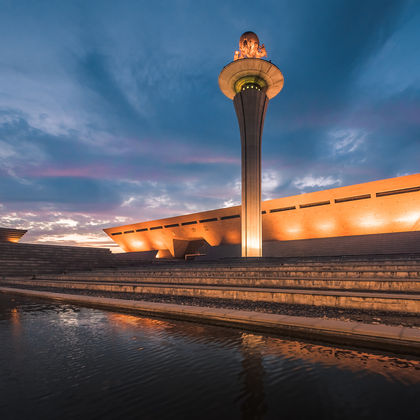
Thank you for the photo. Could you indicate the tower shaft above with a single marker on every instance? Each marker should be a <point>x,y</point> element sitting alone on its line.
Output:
<point>251,83</point>
<point>250,106</point>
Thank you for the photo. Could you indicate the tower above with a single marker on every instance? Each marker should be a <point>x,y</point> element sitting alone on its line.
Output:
<point>251,82</point>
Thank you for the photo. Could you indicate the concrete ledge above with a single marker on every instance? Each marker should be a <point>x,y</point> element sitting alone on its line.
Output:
<point>411,285</point>
<point>390,302</point>
<point>396,339</point>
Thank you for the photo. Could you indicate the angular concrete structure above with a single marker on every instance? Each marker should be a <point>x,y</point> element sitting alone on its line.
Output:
<point>251,83</point>
<point>11,235</point>
<point>379,207</point>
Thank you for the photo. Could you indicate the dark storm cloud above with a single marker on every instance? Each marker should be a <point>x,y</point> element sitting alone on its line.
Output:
<point>111,111</point>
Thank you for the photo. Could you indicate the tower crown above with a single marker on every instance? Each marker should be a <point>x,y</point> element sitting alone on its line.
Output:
<point>255,71</point>
<point>249,71</point>
<point>249,47</point>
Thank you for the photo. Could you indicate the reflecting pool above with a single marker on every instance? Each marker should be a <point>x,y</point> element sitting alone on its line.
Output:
<point>60,361</point>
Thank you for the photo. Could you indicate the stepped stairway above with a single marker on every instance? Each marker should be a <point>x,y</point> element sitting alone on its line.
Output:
<point>17,259</point>
<point>383,283</point>
<point>29,259</point>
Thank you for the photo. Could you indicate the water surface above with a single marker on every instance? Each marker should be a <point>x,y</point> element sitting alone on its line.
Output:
<point>60,361</point>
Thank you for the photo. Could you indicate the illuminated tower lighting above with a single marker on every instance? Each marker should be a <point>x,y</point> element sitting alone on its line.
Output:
<point>251,82</point>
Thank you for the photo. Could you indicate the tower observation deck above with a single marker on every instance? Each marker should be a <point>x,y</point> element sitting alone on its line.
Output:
<point>251,82</point>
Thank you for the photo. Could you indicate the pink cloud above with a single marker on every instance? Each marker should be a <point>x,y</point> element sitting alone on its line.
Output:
<point>209,160</point>
<point>77,172</point>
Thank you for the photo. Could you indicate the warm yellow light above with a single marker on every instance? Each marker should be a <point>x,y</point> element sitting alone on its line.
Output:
<point>253,247</point>
<point>164,253</point>
<point>249,47</point>
<point>326,225</point>
<point>370,220</point>
<point>409,218</point>
<point>245,82</point>
<point>136,244</point>
<point>294,229</point>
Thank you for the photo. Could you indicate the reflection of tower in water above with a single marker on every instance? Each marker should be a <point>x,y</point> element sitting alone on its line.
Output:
<point>253,348</point>
<point>253,404</point>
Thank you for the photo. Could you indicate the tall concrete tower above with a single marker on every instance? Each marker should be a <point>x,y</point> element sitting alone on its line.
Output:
<point>251,82</point>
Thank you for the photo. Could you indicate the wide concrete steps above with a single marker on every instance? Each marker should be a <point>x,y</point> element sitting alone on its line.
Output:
<point>260,274</point>
<point>282,271</point>
<point>33,266</point>
<point>364,283</point>
<point>406,285</point>
<point>20,258</point>
<point>390,302</point>
<point>369,275</point>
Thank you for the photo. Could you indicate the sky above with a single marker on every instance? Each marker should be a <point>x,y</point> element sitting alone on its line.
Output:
<point>110,111</point>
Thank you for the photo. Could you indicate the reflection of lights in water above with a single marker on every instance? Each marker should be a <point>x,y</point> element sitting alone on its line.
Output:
<point>15,318</point>
<point>123,320</point>
<point>68,317</point>
<point>252,340</point>
<point>409,218</point>
<point>15,315</point>
<point>392,367</point>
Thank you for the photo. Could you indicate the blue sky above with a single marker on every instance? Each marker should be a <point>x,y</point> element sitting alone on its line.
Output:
<point>110,112</point>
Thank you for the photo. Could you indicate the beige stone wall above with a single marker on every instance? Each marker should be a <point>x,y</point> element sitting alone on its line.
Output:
<point>385,206</point>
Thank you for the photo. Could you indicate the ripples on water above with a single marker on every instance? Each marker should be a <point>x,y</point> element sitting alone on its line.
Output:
<point>59,361</point>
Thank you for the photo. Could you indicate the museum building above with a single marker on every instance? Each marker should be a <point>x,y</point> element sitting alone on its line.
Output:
<point>353,213</point>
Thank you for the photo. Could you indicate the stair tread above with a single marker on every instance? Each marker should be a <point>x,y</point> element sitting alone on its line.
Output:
<point>278,278</point>
<point>265,290</point>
